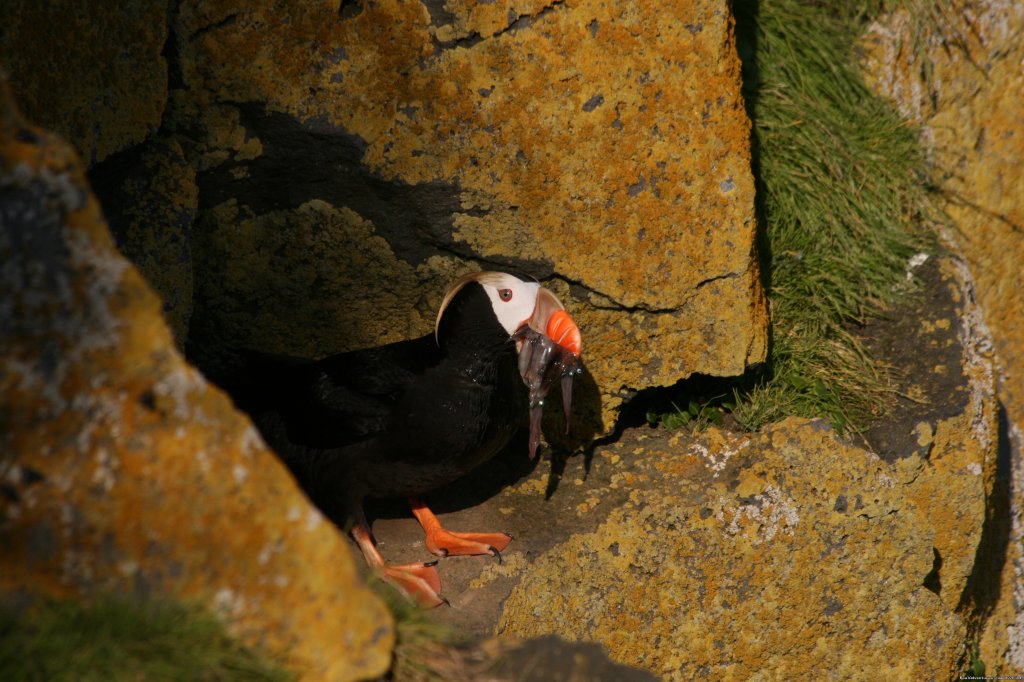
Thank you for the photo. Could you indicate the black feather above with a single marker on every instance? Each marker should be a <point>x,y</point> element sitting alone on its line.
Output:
<point>396,420</point>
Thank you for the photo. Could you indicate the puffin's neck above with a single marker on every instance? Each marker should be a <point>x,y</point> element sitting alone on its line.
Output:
<point>470,331</point>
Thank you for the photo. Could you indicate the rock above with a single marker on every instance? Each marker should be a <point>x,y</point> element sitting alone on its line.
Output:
<point>968,107</point>
<point>370,155</point>
<point>92,72</point>
<point>783,554</point>
<point>947,414</point>
<point>788,552</point>
<point>436,139</point>
<point>151,210</point>
<point>121,469</point>
<point>506,659</point>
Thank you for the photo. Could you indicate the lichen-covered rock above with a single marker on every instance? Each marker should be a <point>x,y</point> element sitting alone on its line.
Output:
<point>792,553</point>
<point>250,255</point>
<point>786,554</point>
<point>121,469</point>
<point>602,147</point>
<point>949,416</point>
<point>960,78</point>
<point>955,491</point>
<point>151,208</point>
<point>92,72</point>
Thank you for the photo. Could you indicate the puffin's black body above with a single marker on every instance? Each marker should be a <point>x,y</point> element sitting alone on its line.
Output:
<point>395,421</point>
<point>410,417</point>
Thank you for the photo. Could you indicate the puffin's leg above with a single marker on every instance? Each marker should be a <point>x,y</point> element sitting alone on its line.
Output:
<point>419,581</point>
<point>449,543</point>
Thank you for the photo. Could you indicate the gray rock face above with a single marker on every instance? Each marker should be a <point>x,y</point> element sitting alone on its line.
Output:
<point>122,471</point>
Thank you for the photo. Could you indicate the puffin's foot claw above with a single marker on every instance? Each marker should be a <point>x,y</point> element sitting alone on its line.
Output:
<point>450,543</point>
<point>420,582</point>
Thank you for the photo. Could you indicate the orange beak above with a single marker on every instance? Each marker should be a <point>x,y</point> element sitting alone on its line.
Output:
<point>550,318</point>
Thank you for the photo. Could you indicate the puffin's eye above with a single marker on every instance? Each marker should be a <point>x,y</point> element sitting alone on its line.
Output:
<point>505,294</point>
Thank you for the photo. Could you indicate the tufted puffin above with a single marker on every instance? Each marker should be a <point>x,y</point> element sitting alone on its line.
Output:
<point>406,418</point>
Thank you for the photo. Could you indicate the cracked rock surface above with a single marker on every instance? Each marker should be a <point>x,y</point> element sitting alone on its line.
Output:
<point>347,162</point>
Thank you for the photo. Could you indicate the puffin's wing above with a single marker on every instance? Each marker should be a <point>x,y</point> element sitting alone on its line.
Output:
<point>384,371</point>
<point>338,400</point>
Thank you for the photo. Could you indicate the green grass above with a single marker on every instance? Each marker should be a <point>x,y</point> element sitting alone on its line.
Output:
<point>975,666</point>
<point>842,192</point>
<point>120,639</point>
<point>419,641</point>
<point>695,413</point>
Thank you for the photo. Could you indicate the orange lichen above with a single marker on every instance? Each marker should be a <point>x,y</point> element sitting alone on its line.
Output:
<point>751,570</point>
<point>607,139</point>
<point>105,95</point>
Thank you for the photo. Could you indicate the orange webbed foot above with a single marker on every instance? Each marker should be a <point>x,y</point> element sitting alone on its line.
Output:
<point>446,543</point>
<point>418,581</point>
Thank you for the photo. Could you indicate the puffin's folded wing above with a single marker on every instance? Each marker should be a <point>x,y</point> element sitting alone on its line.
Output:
<point>338,400</point>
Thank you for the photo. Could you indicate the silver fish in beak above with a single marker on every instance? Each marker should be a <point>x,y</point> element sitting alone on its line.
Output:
<point>549,349</point>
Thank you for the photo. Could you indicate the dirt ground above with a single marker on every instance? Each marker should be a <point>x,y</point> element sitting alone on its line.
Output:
<point>534,502</point>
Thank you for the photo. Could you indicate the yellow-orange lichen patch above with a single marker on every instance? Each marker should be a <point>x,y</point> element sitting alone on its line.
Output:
<point>603,142</point>
<point>727,574</point>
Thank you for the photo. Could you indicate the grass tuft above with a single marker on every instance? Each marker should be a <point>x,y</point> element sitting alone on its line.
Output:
<point>843,189</point>
<point>120,639</point>
<point>421,644</point>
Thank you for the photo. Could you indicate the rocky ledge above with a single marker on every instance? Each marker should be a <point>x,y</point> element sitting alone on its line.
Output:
<point>790,552</point>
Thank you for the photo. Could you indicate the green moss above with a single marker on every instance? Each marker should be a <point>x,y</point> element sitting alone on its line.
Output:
<point>122,639</point>
<point>843,192</point>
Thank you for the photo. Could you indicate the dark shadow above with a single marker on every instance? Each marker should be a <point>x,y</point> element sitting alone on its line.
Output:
<point>558,461</point>
<point>585,421</point>
<point>933,581</point>
<point>550,658</point>
<point>584,427</point>
<point>983,588</point>
<point>653,406</point>
<point>911,341</point>
<point>510,466</point>
<point>302,161</point>
<point>107,178</point>
<point>314,159</point>
<point>746,14</point>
